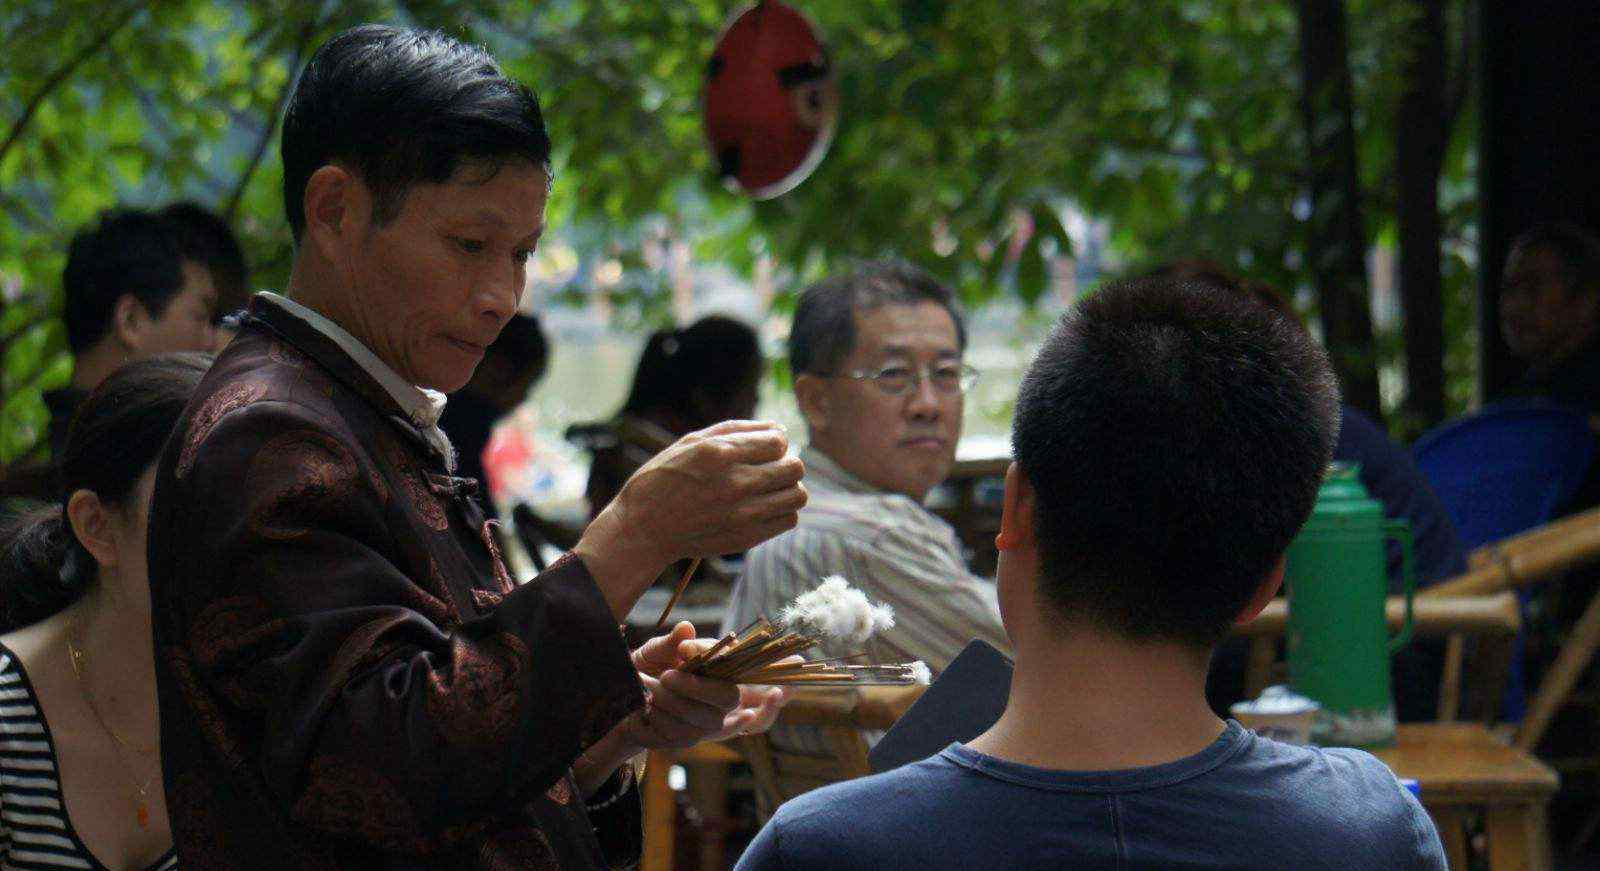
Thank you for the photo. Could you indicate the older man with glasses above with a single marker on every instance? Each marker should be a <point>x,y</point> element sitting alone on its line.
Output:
<point>877,359</point>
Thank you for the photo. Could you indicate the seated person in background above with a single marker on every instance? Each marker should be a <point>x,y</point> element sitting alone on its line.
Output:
<point>1169,443</point>
<point>686,380</point>
<point>86,785</point>
<point>877,359</point>
<point>1390,476</point>
<point>130,292</point>
<point>1549,309</point>
<point>510,368</point>
<point>205,237</point>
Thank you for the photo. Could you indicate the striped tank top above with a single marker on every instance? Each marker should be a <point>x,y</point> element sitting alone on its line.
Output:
<point>35,832</point>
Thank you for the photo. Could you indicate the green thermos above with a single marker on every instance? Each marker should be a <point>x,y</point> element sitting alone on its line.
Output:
<point>1339,644</point>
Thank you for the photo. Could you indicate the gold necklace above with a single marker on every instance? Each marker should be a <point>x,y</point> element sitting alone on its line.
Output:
<point>125,748</point>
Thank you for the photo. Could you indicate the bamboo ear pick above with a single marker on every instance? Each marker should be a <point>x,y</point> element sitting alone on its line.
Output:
<point>683,584</point>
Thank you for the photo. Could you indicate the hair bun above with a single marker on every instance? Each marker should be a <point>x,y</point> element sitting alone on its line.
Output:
<point>42,567</point>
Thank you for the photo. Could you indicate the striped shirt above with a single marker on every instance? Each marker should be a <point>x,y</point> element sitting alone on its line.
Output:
<point>35,832</point>
<point>889,547</point>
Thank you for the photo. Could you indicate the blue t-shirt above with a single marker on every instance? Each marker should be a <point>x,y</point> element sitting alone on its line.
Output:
<point>1244,802</point>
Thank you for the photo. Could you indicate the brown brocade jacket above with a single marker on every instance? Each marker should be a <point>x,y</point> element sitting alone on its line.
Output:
<point>348,676</point>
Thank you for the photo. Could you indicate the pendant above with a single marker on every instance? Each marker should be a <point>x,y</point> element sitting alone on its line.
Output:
<point>144,817</point>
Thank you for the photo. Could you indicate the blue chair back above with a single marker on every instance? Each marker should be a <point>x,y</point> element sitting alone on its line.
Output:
<point>1507,468</point>
<point>1504,470</point>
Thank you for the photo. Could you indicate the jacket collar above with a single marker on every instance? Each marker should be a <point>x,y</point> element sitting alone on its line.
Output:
<point>347,359</point>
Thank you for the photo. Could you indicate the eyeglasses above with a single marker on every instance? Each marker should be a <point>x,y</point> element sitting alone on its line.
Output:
<point>898,379</point>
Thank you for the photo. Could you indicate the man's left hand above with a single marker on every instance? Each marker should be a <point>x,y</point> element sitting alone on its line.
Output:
<point>685,709</point>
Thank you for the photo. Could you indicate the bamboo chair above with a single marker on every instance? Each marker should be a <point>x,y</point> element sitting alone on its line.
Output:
<point>1526,559</point>
<point>841,714</point>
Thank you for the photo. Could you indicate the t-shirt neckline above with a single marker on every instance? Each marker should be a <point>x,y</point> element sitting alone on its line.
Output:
<point>1231,742</point>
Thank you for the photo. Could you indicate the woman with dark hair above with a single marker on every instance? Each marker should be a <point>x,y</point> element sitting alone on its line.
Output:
<point>686,380</point>
<point>80,781</point>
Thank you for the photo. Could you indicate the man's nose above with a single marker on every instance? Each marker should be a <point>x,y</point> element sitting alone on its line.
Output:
<point>924,401</point>
<point>498,294</point>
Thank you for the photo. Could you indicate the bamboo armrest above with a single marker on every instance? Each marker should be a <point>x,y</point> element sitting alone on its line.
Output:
<point>1527,558</point>
<point>873,707</point>
<point>1478,615</point>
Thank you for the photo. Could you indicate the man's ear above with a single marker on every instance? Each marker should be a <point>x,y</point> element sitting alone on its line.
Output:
<point>91,523</point>
<point>1270,585</point>
<point>1018,521</point>
<point>130,323</point>
<point>816,403</point>
<point>333,203</point>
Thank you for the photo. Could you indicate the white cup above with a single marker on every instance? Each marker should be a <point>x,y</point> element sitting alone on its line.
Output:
<point>1280,714</point>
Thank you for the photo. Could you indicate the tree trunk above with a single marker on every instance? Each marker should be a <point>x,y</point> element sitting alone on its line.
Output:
<point>1422,136</point>
<point>1336,246</point>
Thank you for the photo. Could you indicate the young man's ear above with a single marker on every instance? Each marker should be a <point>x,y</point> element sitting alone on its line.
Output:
<point>816,405</point>
<point>90,520</point>
<point>1270,585</point>
<point>130,323</point>
<point>1018,522</point>
<point>332,199</point>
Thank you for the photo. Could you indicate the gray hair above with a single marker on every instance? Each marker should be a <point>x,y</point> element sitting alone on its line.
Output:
<point>824,331</point>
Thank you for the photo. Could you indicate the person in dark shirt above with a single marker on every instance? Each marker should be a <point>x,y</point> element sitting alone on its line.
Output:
<point>1549,309</point>
<point>131,292</point>
<point>510,368</point>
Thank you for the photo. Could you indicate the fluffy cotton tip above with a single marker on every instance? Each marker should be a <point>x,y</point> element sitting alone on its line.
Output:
<point>839,612</point>
<point>920,673</point>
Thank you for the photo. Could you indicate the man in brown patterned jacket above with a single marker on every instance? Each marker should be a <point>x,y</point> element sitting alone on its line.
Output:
<point>348,676</point>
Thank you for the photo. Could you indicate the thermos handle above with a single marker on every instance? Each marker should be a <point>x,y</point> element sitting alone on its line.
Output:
<point>1401,531</point>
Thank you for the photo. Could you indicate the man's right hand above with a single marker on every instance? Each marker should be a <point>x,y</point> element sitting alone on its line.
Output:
<point>721,490</point>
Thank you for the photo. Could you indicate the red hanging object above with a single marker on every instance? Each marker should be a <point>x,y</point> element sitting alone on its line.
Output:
<point>771,100</point>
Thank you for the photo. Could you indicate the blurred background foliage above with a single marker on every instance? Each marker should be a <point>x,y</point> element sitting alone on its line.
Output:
<point>968,131</point>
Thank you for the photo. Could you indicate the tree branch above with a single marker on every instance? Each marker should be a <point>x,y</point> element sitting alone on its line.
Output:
<point>1460,82</point>
<point>265,139</point>
<point>63,73</point>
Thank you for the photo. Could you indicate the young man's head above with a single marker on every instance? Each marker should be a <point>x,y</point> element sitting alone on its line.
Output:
<point>131,293</point>
<point>1550,299</point>
<point>877,358</point>
<point>415,179</point>
<point>1169,439</point>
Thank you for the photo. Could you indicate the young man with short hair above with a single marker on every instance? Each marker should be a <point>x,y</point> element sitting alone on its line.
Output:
<point>131,292</point>
<point>1169,441</point>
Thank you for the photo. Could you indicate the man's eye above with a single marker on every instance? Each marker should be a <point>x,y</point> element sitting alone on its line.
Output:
<point>947,374</point>
<point>522,254</point>
<point>471,246</point>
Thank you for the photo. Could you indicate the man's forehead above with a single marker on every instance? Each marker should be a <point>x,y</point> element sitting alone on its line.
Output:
<point>906,328</point>
<point>512,198</point>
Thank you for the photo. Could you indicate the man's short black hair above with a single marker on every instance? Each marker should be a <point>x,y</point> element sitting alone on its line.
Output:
<point>399,107</point>
<point>125,251</point>
<point>1175,434</point>
<point>1576,248</point>
<point>206,238</point>
<point>824,330</point>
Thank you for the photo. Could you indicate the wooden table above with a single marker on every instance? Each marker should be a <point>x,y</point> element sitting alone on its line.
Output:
<point>1462,768</point>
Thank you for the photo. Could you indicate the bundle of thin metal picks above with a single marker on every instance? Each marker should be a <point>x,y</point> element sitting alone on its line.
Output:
<point>756,656</point>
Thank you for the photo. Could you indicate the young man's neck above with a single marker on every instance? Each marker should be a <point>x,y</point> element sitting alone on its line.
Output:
<point>1091,701</point>
<point>96,363</point>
